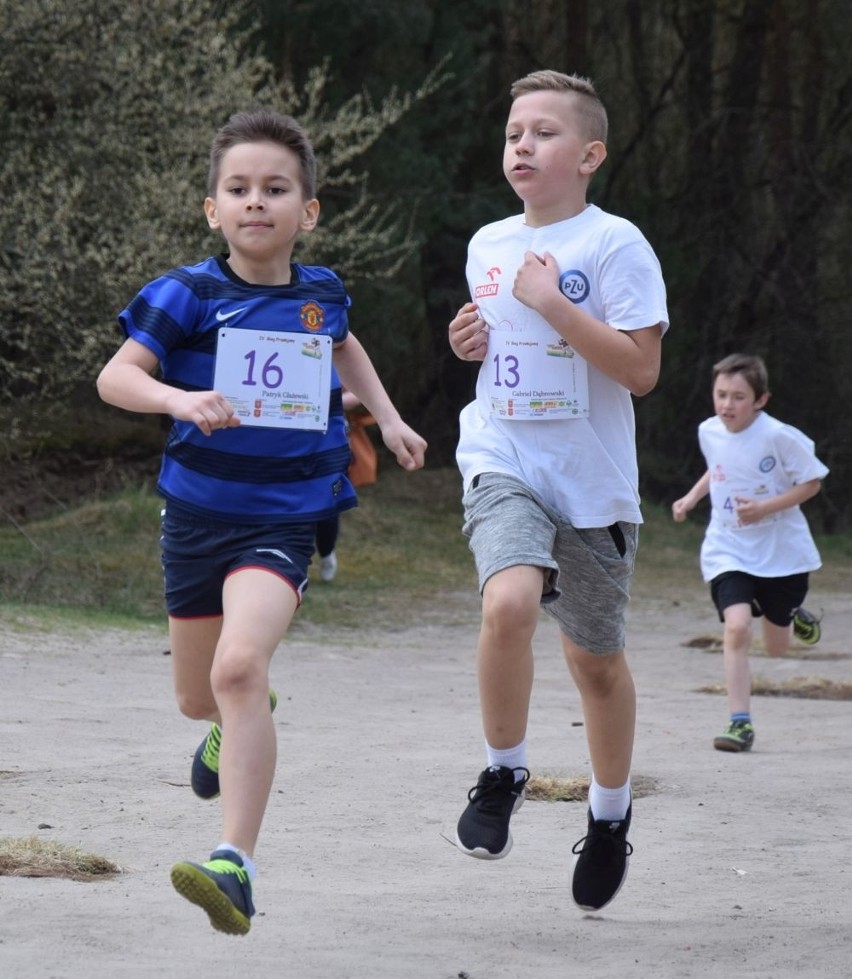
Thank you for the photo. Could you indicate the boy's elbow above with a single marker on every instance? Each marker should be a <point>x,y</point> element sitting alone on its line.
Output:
<point>644,382</point>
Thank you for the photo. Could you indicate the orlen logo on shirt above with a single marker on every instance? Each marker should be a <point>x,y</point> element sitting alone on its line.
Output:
<point>489,288</point>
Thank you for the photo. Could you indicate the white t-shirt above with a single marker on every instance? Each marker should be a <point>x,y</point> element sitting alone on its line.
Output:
<point>585,466</point>
<point>760,462</point>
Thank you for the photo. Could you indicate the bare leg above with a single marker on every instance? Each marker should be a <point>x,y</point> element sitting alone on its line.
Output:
<point>258,609</point>
<point>736,646</point>
<point>193,645</point>
<point>510,605</point>
<point>608,696</point>
<point>776,638</point>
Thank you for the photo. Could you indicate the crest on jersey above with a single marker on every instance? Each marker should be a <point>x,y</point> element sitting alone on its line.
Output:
<point>312,316</point>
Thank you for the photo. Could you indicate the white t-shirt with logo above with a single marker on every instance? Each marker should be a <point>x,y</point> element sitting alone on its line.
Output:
<point>760,462</point>
<point>580,459</point>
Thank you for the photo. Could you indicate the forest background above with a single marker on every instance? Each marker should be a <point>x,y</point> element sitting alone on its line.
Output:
<point>729,147</point>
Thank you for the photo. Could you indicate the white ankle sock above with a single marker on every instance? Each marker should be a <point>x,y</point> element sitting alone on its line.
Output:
<point>611,804</point>
<point>248,863</point>
<point>508,757</point>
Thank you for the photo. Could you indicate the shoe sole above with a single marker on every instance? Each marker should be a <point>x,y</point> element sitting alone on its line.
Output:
<point>193,884</point>
<point>812,639</point>
<point>480,852</point>
<point>723,744</point>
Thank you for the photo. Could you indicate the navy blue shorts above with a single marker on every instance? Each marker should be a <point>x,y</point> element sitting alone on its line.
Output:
<point>197,555</point>
<point>775,598</point>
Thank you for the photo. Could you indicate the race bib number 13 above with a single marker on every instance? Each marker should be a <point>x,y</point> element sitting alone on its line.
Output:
<point>275,380</point>
<point>533,378</point>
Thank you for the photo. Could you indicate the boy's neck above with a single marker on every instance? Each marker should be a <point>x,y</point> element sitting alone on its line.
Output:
<point>541,218</point>
<point>273,273</point>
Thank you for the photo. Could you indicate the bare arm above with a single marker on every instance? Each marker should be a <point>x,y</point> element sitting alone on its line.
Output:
<point>360,378</point>
<point>751,511</point>
<point>681,507</point>
<point>630,357</point>
<point>126,382</point>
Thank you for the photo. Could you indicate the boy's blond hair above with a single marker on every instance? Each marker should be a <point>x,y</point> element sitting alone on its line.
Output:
<point>590,109</point>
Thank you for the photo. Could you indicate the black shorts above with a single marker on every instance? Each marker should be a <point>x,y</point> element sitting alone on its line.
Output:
<point>775,598</point>
<point>198,554</point>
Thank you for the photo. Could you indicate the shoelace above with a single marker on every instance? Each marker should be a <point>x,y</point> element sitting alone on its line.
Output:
<point>486,793</point>
<point>596,839</point>
<point>221,866</point>
<point>210,755</point>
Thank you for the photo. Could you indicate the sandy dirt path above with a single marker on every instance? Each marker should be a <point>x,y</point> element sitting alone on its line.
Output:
<point>741,864</point>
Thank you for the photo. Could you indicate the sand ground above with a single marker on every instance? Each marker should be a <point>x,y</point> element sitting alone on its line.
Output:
<point>741,864</point>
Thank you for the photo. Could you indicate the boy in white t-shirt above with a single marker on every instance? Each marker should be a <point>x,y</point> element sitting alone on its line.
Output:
<point>758,549</point>
<point>567,316</point>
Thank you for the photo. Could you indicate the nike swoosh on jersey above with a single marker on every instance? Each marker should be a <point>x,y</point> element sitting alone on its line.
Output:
<point>223,317</point>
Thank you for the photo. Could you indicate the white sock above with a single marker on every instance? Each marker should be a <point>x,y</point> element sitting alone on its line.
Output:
<point>248,863</point>
<point>609,804</point>
<point>508,757</point>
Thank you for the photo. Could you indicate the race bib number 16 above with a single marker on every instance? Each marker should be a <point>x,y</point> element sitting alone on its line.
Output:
<point>275,380</point>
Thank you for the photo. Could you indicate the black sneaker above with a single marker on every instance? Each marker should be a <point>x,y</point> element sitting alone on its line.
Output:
<point>600,867</point>
<point>483,829</point>
<point>806,627</point>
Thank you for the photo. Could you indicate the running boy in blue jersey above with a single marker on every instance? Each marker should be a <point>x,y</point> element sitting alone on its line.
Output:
<point>568,312</point>
<point>245,484</point>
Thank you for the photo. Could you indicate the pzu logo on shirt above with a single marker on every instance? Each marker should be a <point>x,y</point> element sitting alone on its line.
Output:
<point>574,285</point>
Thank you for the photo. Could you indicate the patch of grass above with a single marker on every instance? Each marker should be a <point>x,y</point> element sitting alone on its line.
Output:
<point>804,687</point>
<point>403,561</point>
<point>575,788</point>
<point>32,857</point>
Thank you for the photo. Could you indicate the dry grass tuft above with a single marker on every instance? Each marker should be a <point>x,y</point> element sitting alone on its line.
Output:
<point>575,788</point>
<point>805,687</point>
<point>32,857</point>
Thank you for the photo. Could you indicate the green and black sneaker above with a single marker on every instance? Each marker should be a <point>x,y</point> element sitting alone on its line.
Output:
<point>737,736</point>
<point>221,887</point>
<point>806,627</point>
<point>204,778</point>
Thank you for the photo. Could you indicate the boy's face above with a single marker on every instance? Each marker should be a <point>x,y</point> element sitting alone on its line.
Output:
<point>548,159</point>
<point>259,205</point>
<point>734,402</point>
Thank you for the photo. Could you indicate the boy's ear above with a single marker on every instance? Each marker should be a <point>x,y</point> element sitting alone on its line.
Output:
<point>762,401</point>
<point>310,215</point>
<point>593,156</point>
<point>210,211</point>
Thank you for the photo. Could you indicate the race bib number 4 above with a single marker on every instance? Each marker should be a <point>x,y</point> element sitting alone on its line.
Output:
<point>275,380</point>
<point>533,378</point>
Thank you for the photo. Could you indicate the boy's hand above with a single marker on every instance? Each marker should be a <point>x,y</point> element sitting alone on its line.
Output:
<point>408,447</point>
<point>208,410</point>
<point>748,511</point>
<point>469,334</point>
<point>680,508</point>
<point>535,279</point>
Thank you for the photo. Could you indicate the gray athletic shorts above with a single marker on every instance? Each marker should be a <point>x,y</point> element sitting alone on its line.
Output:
<point>587,571</point>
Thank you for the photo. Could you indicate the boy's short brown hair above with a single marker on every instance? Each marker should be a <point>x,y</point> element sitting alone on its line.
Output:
<point>264,126</point>
<point>590,109</point>
<point>752,368</point>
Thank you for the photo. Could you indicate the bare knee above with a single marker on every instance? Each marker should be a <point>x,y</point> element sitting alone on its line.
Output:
<point>596,675</point>
<point>738,635</point>
<point>511,601</point>
<point>197,707</point>
<point>238,672</point>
